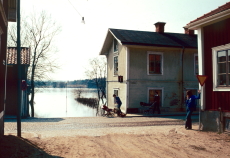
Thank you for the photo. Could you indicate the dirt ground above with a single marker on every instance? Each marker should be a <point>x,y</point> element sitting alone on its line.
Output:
<point>152,141</point>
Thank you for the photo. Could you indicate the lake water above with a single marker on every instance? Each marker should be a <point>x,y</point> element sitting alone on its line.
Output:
<point>60,102</point>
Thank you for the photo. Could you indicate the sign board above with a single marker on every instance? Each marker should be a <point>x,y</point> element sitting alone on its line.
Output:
<point>201,79</point>
<point>120,78</point>
<point>23,85</point>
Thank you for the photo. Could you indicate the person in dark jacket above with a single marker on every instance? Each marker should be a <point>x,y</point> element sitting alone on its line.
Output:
<point>118,102</point>
<point>190,107</point>
<point>156,102</point>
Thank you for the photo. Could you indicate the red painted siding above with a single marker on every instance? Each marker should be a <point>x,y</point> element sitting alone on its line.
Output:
<point>11,92</point>
<point>215,35</point>
<point>3,41</point>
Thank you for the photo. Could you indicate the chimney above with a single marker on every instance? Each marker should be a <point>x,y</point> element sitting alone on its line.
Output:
<point>188,32</point>
<point>160,27</point>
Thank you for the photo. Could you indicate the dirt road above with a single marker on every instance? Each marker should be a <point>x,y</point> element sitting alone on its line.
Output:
<point>112,137</point>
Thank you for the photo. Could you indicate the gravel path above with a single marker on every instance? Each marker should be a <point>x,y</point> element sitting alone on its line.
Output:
<point>49,127</point>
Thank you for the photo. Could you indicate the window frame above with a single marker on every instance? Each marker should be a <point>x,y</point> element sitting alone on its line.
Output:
<point>215,50</point>
<point>114,65</point>
<point>115,46</point>
<point>116,89</point>
<point>162,63</point>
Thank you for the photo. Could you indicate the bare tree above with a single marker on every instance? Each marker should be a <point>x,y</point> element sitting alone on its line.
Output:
<point>78,92</point>
<point>97,73</point>
<point>38,33</point>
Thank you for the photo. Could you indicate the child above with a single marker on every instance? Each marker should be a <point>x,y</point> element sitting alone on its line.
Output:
<point>190,107</point>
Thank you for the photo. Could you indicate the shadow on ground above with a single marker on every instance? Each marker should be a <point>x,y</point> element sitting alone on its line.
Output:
<point>15,147</point>
<point>35,120</point>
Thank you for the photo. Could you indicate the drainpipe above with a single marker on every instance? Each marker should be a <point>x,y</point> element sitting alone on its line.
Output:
<point>127,78</point>
<point>182,78</point>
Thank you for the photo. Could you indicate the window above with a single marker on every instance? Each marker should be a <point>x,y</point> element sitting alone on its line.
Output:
<point>155,63</point>
<point>223,61</point>
<point>196,67</point>
<point>115,45</point>
<point>115,91</point>
<point>221,68</point>
<point>151,94</point>
<point>115,65</point>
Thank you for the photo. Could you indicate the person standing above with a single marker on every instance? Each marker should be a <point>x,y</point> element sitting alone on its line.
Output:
<point>156,102</point>
<point>118,102</point>
<point>190,107</point>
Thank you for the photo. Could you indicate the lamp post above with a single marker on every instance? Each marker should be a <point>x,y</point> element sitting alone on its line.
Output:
<point>19,71</point>
<point>66,95</point>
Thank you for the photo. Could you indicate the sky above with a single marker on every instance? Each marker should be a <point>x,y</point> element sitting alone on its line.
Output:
<point>78,42</point>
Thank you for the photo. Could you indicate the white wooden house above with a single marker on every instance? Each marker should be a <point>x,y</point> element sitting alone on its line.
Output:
<point>148,62</point>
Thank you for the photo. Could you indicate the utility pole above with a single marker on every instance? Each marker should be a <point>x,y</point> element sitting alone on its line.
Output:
<point>19,70</point>
<point>66,95</point>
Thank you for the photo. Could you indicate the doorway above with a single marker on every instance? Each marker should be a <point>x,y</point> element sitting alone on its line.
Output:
<point>151,94</point>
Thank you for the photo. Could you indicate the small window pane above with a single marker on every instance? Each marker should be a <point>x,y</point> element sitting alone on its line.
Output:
<point>116,92</point>
<point>222,80</point>
<point>229,67</point>
<point>228,62</point>
<point>154,64</point>
<point>115,65</point>
<point>221,68</point>
<point>228,80</point>
<point>229,55</point>
<point>115,45</point>
<point>221,56</point>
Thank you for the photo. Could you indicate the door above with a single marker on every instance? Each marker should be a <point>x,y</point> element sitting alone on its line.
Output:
<point>151,94</point>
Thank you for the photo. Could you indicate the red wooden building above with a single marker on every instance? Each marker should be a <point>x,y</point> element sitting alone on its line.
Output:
<point>213,31</point>
<point>12,78</point>
<point>7,13</point>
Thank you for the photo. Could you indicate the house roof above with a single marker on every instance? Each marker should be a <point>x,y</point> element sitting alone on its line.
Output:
<point>145,38</point>
<point>213,12</point>
<point>12,55</point>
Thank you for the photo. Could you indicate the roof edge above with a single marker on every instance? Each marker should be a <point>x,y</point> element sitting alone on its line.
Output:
<point>100,53</point>
<point>154,45</point>
<point>115,37</point>
<point>208,20</point>
<point>104,43</point>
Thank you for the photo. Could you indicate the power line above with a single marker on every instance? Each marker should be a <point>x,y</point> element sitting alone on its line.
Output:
<point>74,8</point>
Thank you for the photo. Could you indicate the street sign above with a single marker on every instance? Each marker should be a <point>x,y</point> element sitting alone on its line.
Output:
<point>120,79</point>
<point>23,85</point>
<point>201,79</point>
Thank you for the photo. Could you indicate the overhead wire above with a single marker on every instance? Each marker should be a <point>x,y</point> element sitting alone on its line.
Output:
<point>75,8</point>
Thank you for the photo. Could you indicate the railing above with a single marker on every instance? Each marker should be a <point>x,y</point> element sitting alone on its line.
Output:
<point>1,123</point>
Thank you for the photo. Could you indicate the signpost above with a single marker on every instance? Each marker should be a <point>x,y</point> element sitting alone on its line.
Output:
<point>202,79</point>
